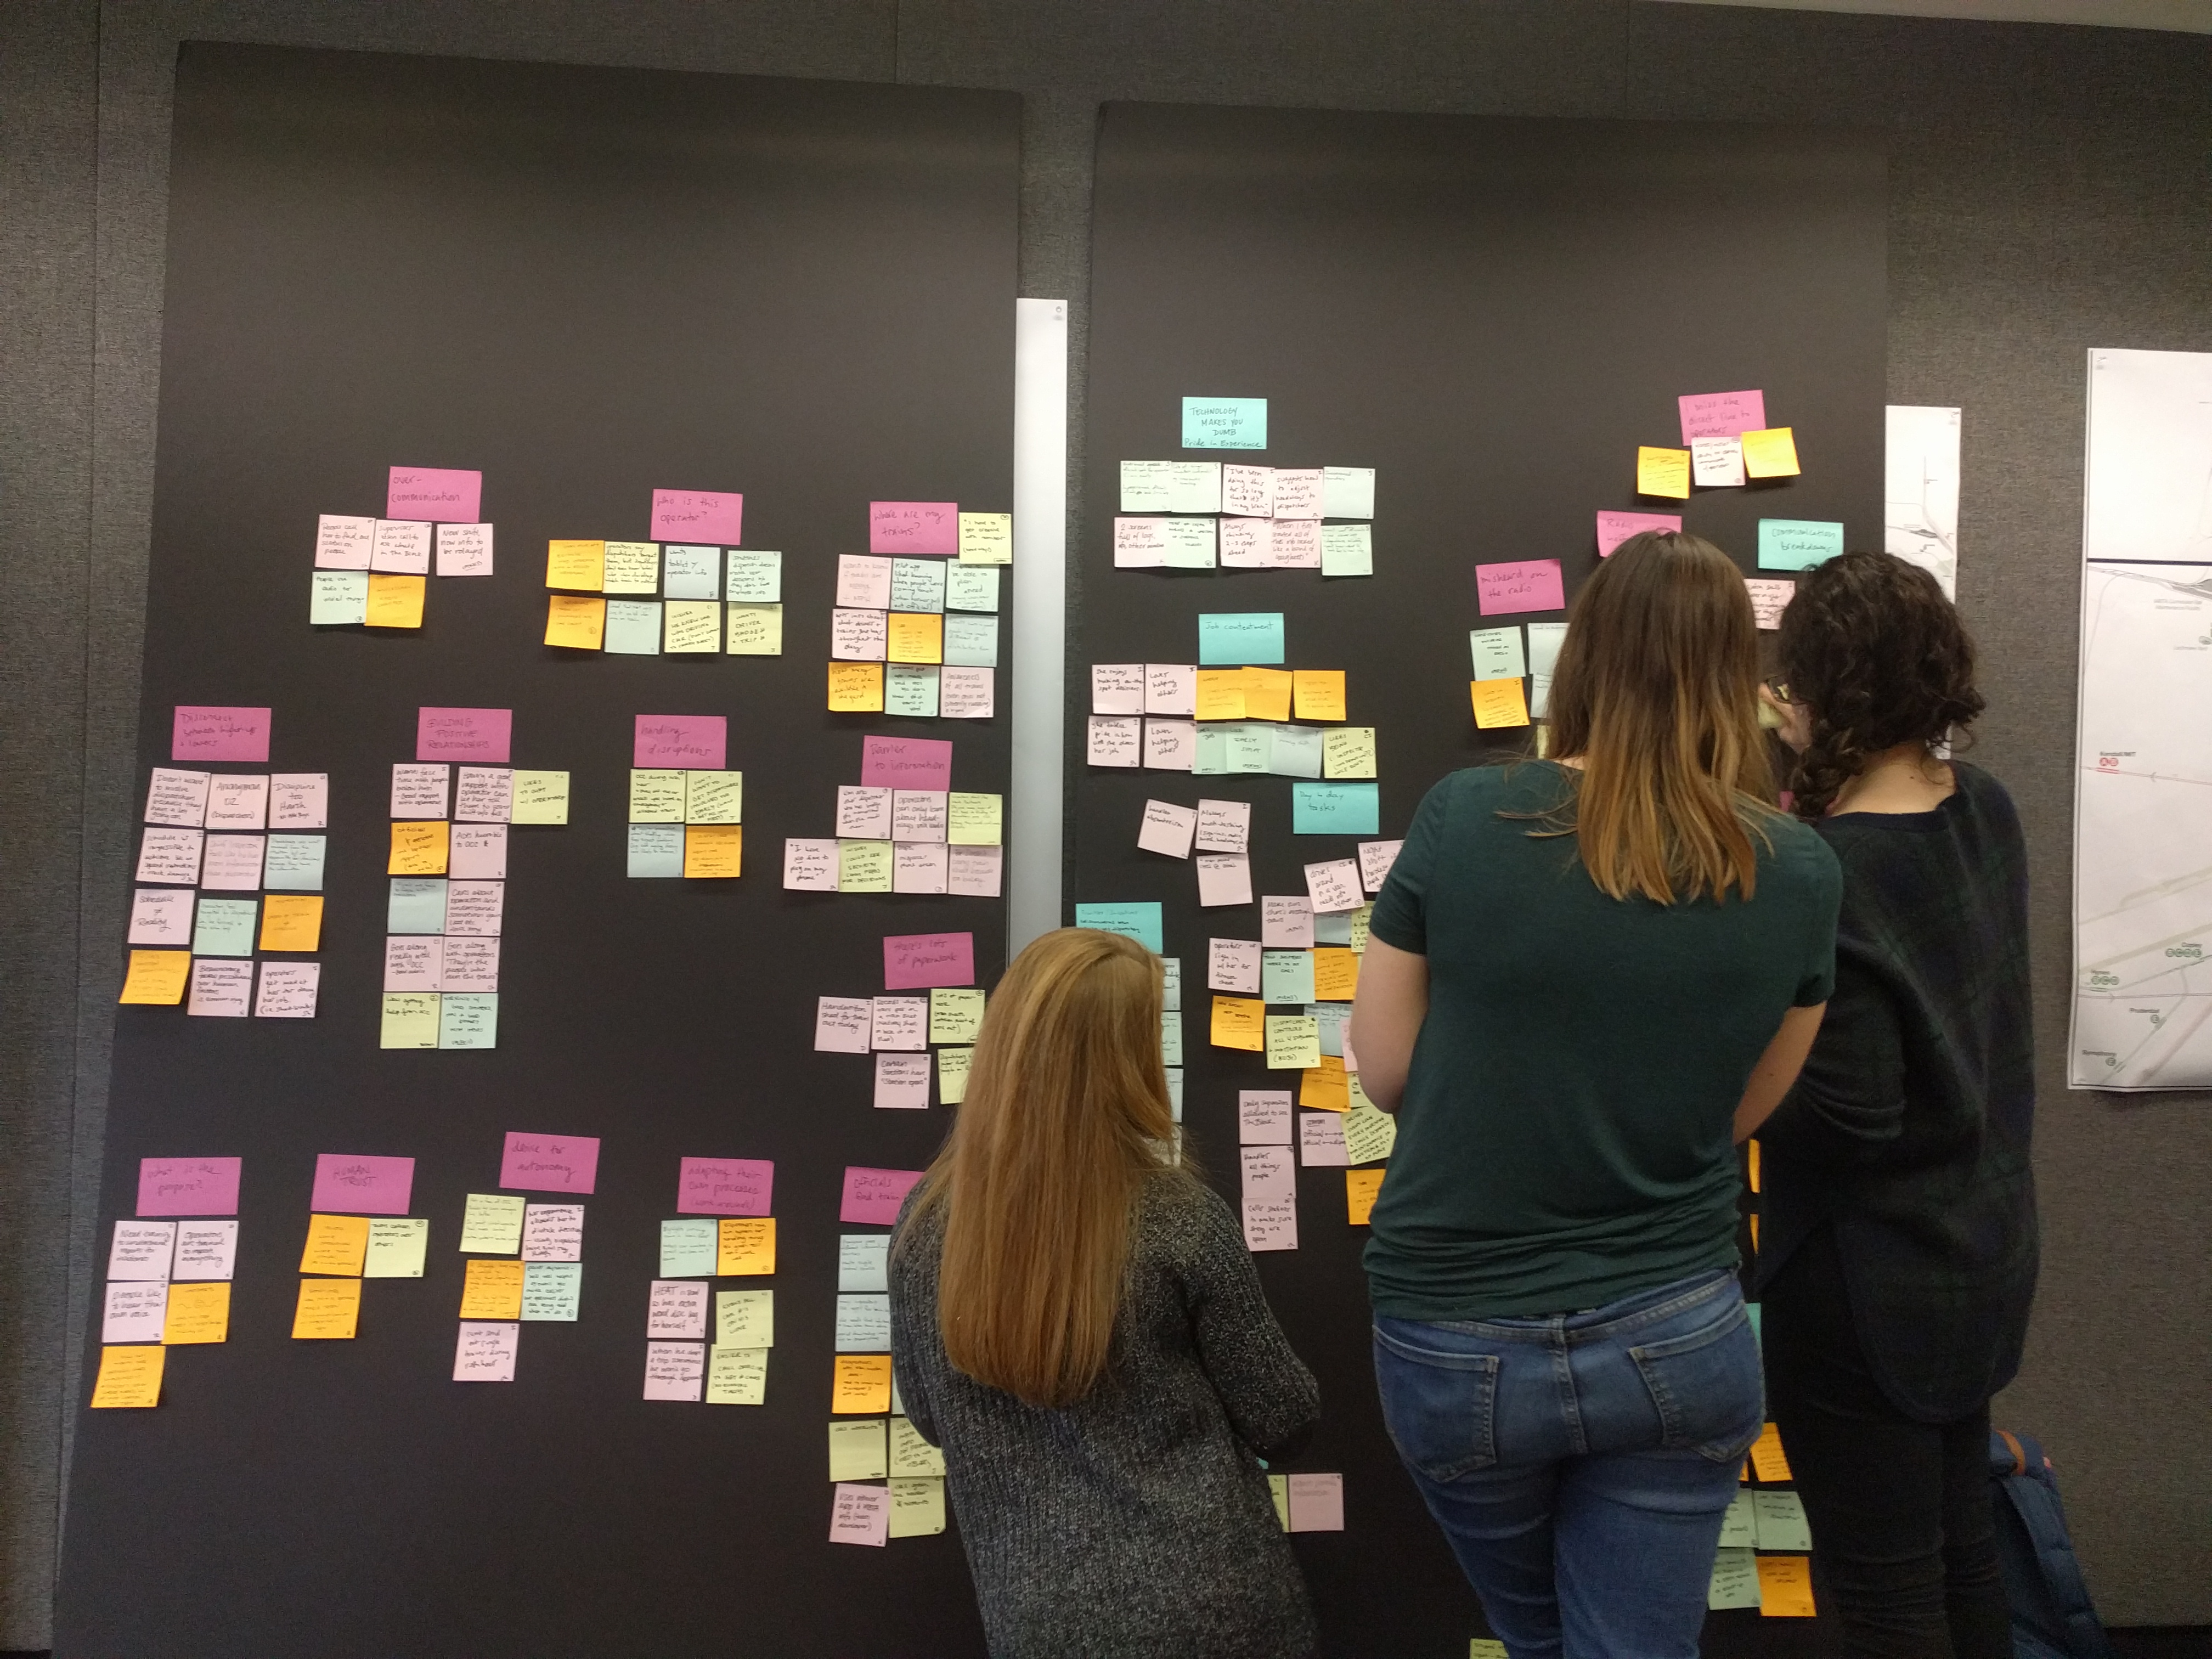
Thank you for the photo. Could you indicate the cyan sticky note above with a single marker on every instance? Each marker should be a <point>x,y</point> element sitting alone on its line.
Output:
<point>656,849</point>
<point>633,628</point>
<point>551,1289</point>
<point>1287,977</point>
<point>224,927</point>
<point>294,864</point>
<point>1335,808</point>
<point>1140,922</point>
<point>1797,544</point>
<point>971,641</point>
<point>1231,639</point>
<point>418,906</point>
<point>468,1019</point>
<point>690,573</point>
<point>688,1247</point>
<point>1225,424</point>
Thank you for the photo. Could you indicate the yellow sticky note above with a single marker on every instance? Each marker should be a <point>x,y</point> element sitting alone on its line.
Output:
<point>737,1376</point>
<point>1360,919</point>
<point>690,625</point>
<point>1785,1582</point>
<point>1663,472</point>
<point>756,630</point>
<point>1266,693</point>
<point>1369,1136</point>
<point>953,1066</point>
<point>329,1309</point>
<point>917,1506</point>
<point>1237,1023</point>
<point>1357,1095</point>
<point>1768,1460</point>
<point>974,820</point>
<point>1771,454</point>
<point>197,1313</point>
<point>129,1377</point>
<point>579,565</point>
<point>418,849</point>
<point>856,687</point>
<point>579,624</point>
<point>1279,1488</point>
<point>1348,751</point>
<point>863,866</point>
<point>492,1289</point>
<point>1320,693</point>
<point>987,538</point>
<point>956,1014</point>
<point>1751,1148</point>
<point>861,1386</point>
<point>910,1454</point>
<point>1360,1187</point>
<point>1293,1042</point>
<point>540,797</point>
<point>157,976</point>
<point>714,797</point>
<point>1336,974</point>
<point>394,601</point>
<point>745,1244</point>
<point>745,1319</point>
<point>656,795</point>
<point>857,1451</point>
<point>1481,1647</point>
<point>1220,694</point>
<point>626,568</point>
<point>397,1246</point>
<point>1498,703</point>
<point>1322,1085</point>
<point>915,636</point>
<point>336,1244</point>
<point>410,1020</point>
<point>292,921</point>
<point>713,852</point>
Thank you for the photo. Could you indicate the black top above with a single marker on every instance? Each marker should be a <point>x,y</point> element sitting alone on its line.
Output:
<point>1138,1520</point>
<point>1909,1129</point>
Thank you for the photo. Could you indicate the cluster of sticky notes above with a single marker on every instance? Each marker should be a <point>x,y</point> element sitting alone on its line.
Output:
<point>686,808</point>
<point>726,1230</point>
<point>1308,1503</point>
<point>1201,515</point>
<point>912,1039</point>
<point>1511,672</point>
<point>168,1274</point>
<point>1725,442</point>
<point>1764,1558</point>
<point>688,592</point>
<point>525,1260</point>
<point>903,829</point>
<point>237,834</point>
<point>358,1229</point>
<point>372,572</point>
<point>917,636</point>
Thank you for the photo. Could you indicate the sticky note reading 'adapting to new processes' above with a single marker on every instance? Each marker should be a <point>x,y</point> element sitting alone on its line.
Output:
<point>712,516</point>
<point>1224,422</point>
<point>550,1163</point>
<point>214,732</point>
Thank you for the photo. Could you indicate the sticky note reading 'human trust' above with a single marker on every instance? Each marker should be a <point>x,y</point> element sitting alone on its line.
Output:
<point>478,735</point>
<point>211,732</point>
<point>363,1184</point>
<point>550,1163</point>
<point>438,494</point>
<point>698,515</point>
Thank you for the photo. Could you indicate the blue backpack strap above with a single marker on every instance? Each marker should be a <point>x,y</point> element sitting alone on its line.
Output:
<point>2023,1475</point>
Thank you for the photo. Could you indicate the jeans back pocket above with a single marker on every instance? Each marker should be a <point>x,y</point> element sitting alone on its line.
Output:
<point>1707,1386</point>
<point>1439,1407</point>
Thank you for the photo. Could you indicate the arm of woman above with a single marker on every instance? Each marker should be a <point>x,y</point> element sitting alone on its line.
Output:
<point>1386,1019</point>
<point>914,1330</point>
<point>1271,1398</point>
<point>1777,1069</point>
<point>1848,1105</point>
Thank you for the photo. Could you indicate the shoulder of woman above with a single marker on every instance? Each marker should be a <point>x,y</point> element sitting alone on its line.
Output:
<point>1178,1214</point>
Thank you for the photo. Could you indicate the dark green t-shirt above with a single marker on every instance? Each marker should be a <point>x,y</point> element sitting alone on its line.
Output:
<point>1563,1141</point>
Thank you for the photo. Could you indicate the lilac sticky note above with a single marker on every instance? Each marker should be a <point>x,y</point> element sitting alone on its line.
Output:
<point>550,1163</point>
<point>209,732</point>
<point>188,1186</point>
<point>872,1197</point>
<point>713,516</point>
<point>1722,414</point>
<point>478,735</point>
<point>914,527</point>
<point>906,762</point>
<point>363,1185</point>
<point>1527,585</point>
<point>915,960</point>
<point>439,494</point>
<point>1614,528</point>
<point>1316,1503</point>
<point>696,741</point>
<point>724,1186</point>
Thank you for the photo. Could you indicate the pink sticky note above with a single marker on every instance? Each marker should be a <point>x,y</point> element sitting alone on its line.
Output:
<point>1614,528</point>
<point>208,733</point>
<point>699,741</point>
<point>439,494</point>
<point>724,1186</point>
<point>872,1197</point>
<point>913,527</point>
<point>906,762</point>
<point>481,735</point>
<point>363,1185</point>
<point>550,1163</point>
<point>860,1514</point>
<point>1527,585</point>
<point>188,1186</point>
<point>1316,1503</point>
<point>912,961</point>
<point>1722,414</point>
<point>698,515</point>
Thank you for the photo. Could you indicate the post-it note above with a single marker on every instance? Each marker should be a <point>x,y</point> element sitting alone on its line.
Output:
<point>1498,703</point>
<point>1797,544</point>
<point>1136,920</point>
<point>1770,454</point>
<point>129,1377</point>
<point>1527,585</point>
<point>214,733</point>
<point>550,1163</point>
<point>1335,808</point>
<point>368,1184</point>
<point>723,1185</point>
<point>576,624</point>
<point>698,515</point>
<point>872,1197</point>
<point>1224,422</point>
<point>916,961</point>
<point>329,1309</point>
<point>434,494</point>
<point>915,527</point>
<point>1662,473</point>
<point>478,736</point>
<point>1721,414</point>
<point>1233,638</point>
<point>1614,528</point>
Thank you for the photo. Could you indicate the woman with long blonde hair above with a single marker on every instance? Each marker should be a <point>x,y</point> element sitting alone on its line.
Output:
<point>1076,1321</point>
<point>1587,979</point>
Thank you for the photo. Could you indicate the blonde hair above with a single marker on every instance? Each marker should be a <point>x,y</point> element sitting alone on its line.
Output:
<point>1065,1115</point>
<point>1656,693</point>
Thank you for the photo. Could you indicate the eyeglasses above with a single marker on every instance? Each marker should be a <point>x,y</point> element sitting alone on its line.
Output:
<point>1781,690</point>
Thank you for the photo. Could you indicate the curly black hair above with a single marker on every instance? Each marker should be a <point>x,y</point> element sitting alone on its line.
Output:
<point>1878,657</point>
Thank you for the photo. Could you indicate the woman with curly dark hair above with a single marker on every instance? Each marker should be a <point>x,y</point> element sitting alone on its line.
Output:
<point>1901,1243</point>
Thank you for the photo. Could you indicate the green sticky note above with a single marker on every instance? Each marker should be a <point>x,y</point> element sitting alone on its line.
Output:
<point>1248,748</point>
<point>1347,550</point>
<point>340,597</point>
<point>971,587</point>
<point>1138,921</point>
<point>918,584</point>
<point>910,688</point>
<point>1735,1580</point>
<point>1229,639</point>
<point>1295,751</point>
<point>293,863</point>
<point>1224,422</point>
<point>1287,977</point>
<point>1739,1528</point>
<point>1171,1039</point>
<point>491,1224</point>
<point>1335,808</point>
<point>397,1247</point>
<point>689,572</point>
<point>1758,1335</point>
<point>551,1289</point>
<point>688,1247</point>
<point>1170,983</point>
<point>1331,1017</point>
<point>225,928</point>
<point>755,577</point>
<point>418,906</point>
<point>469,1020</point>
<point>1797,544</point>
<point>1780,1518</point>
<point>1497,654</point>
<point>656,849</point>
<point>1209,755</point>
<point>411,1019</point>
<point>633,628</point>
<point>971,641</point>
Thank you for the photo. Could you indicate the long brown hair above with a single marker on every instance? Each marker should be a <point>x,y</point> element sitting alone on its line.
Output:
<point>1656,693</point>
<point>1064,1120</point>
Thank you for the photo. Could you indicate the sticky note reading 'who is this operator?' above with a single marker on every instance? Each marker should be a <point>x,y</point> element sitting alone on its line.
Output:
<point>713,516</point>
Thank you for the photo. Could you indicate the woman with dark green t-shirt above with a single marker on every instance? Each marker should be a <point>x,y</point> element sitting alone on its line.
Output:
<point>1587,979</point>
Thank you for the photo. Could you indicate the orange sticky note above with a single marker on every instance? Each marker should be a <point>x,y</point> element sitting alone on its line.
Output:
<point>1324,1087</point>
<point>1770,454</point>
<point>336,1244</point>
<point>745,1244</point>
<point>1498,703</point>
<point>862,1385</point>
<point>577,624</point>
<point>713,849</point>
<point>1663,472</point>
<point>197,1313</point>
<point>157,976</point>
<point>1751,1148</point>
<point>329,1309</point>
<point>394,601</point>
<point>1320,693</point>
<point>915,636</point>
<point>292,921</point>
<point>129,1378</point>
<point>417,849</point>
<point>1336,973</point>
<point>492,1289</point>
<point>1754,1233</point>
<point>1360,1187</point>
<point>1220,694</point>
<point>1785,1586</point>
<point>1767,1460</point>
<point>581,565</point>
<point>1266,693</point>
<point>1240,1023</point>
<point>856,687</point>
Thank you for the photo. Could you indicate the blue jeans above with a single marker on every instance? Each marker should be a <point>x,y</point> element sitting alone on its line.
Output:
<point>1580,1465</point>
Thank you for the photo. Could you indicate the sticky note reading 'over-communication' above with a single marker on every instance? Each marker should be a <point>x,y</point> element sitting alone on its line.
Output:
<point>211,732</point>
<point>698,515</point>
<point>477,735</point>
<point>916,961</point>
<point>550,1163</point>
<point>697,742</point>
<point>439,494</point>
